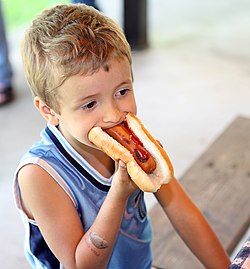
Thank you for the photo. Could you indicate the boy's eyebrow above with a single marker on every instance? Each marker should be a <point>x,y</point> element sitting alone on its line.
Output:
<point>128,81</point>
<point>90,96</point>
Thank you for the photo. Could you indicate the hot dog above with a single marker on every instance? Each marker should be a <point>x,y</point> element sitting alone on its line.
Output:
<point>125,136</point>
<point>147,163</point>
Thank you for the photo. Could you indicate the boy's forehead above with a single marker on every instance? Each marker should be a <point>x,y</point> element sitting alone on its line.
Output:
<point>118,71</point>
<point>113,65</point>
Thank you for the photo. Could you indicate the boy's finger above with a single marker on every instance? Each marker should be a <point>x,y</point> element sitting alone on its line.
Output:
<point>122,164</point>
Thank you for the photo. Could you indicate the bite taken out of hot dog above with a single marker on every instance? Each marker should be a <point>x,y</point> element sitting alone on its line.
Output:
<point>147,162</point>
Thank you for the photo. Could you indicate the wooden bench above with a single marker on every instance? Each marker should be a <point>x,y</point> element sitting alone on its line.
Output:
<point>219,184</point>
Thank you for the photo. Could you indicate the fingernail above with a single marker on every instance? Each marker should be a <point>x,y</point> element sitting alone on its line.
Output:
<point>122,164</point>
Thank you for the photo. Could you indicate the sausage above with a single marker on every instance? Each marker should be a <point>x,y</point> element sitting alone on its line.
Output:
<point>126,137</point>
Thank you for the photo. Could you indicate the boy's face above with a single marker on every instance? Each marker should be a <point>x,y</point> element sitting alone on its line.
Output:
<point>102,99</point>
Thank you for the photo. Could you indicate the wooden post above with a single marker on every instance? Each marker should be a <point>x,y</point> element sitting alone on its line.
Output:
<point>135,23</point>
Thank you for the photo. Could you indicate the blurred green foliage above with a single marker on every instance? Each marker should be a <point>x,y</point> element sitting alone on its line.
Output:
<point>20,12</point>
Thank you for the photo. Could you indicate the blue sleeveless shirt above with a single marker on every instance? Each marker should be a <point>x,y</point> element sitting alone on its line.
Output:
<point>87,189</point>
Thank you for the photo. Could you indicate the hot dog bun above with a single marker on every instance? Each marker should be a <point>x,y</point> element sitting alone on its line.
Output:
<point>146,182</point>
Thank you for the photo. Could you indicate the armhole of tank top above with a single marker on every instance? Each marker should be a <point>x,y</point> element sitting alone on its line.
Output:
<point>44,165</point>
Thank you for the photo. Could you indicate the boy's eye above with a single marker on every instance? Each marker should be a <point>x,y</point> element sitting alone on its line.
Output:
<point>122,92</point>
<point>89,105</point>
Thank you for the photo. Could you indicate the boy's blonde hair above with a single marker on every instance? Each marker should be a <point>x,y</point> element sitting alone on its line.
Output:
<point>67,40</point>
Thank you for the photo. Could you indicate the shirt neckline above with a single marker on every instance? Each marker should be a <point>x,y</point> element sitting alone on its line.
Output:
<point>76,160</point>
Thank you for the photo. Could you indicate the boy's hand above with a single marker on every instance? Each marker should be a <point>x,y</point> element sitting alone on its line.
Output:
<point>122,184</point>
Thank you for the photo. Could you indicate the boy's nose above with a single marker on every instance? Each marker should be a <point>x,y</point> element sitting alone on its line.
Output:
<point>112,114</point>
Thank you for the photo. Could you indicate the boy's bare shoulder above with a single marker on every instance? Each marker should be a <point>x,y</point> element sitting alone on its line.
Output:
<point>36,184</point>
<point>37,187</point>
<point>31,175</point>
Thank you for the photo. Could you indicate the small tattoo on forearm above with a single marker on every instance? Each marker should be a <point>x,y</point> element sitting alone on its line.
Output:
<point>97,240</point>
<point>91,248</point>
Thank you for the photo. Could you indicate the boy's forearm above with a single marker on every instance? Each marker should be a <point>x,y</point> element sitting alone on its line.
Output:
<point>198,235</point>
<point>96,246</point>
<point>192,227</point>
<point>202,241</point>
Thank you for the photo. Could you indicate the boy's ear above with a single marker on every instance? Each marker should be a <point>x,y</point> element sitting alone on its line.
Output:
<point>48,113</point>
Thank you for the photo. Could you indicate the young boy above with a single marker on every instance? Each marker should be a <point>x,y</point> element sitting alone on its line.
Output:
<point>80,209</point>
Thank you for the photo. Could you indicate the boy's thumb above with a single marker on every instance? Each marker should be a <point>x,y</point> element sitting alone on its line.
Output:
<point>122,168</point>
<point>122,165</point>
<point>121,171</point>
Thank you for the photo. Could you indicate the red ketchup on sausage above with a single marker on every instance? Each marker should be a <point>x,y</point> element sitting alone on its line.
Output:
<point>126,137</point>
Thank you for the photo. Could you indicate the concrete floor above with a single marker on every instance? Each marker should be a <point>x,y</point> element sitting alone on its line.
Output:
<point>190,84</point>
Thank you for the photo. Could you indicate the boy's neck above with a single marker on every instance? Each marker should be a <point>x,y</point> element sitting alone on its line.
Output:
<point>101,162</point>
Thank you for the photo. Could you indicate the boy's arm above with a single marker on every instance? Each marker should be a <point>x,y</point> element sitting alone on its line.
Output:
<point>192,226</point>
<point>46,202</point>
